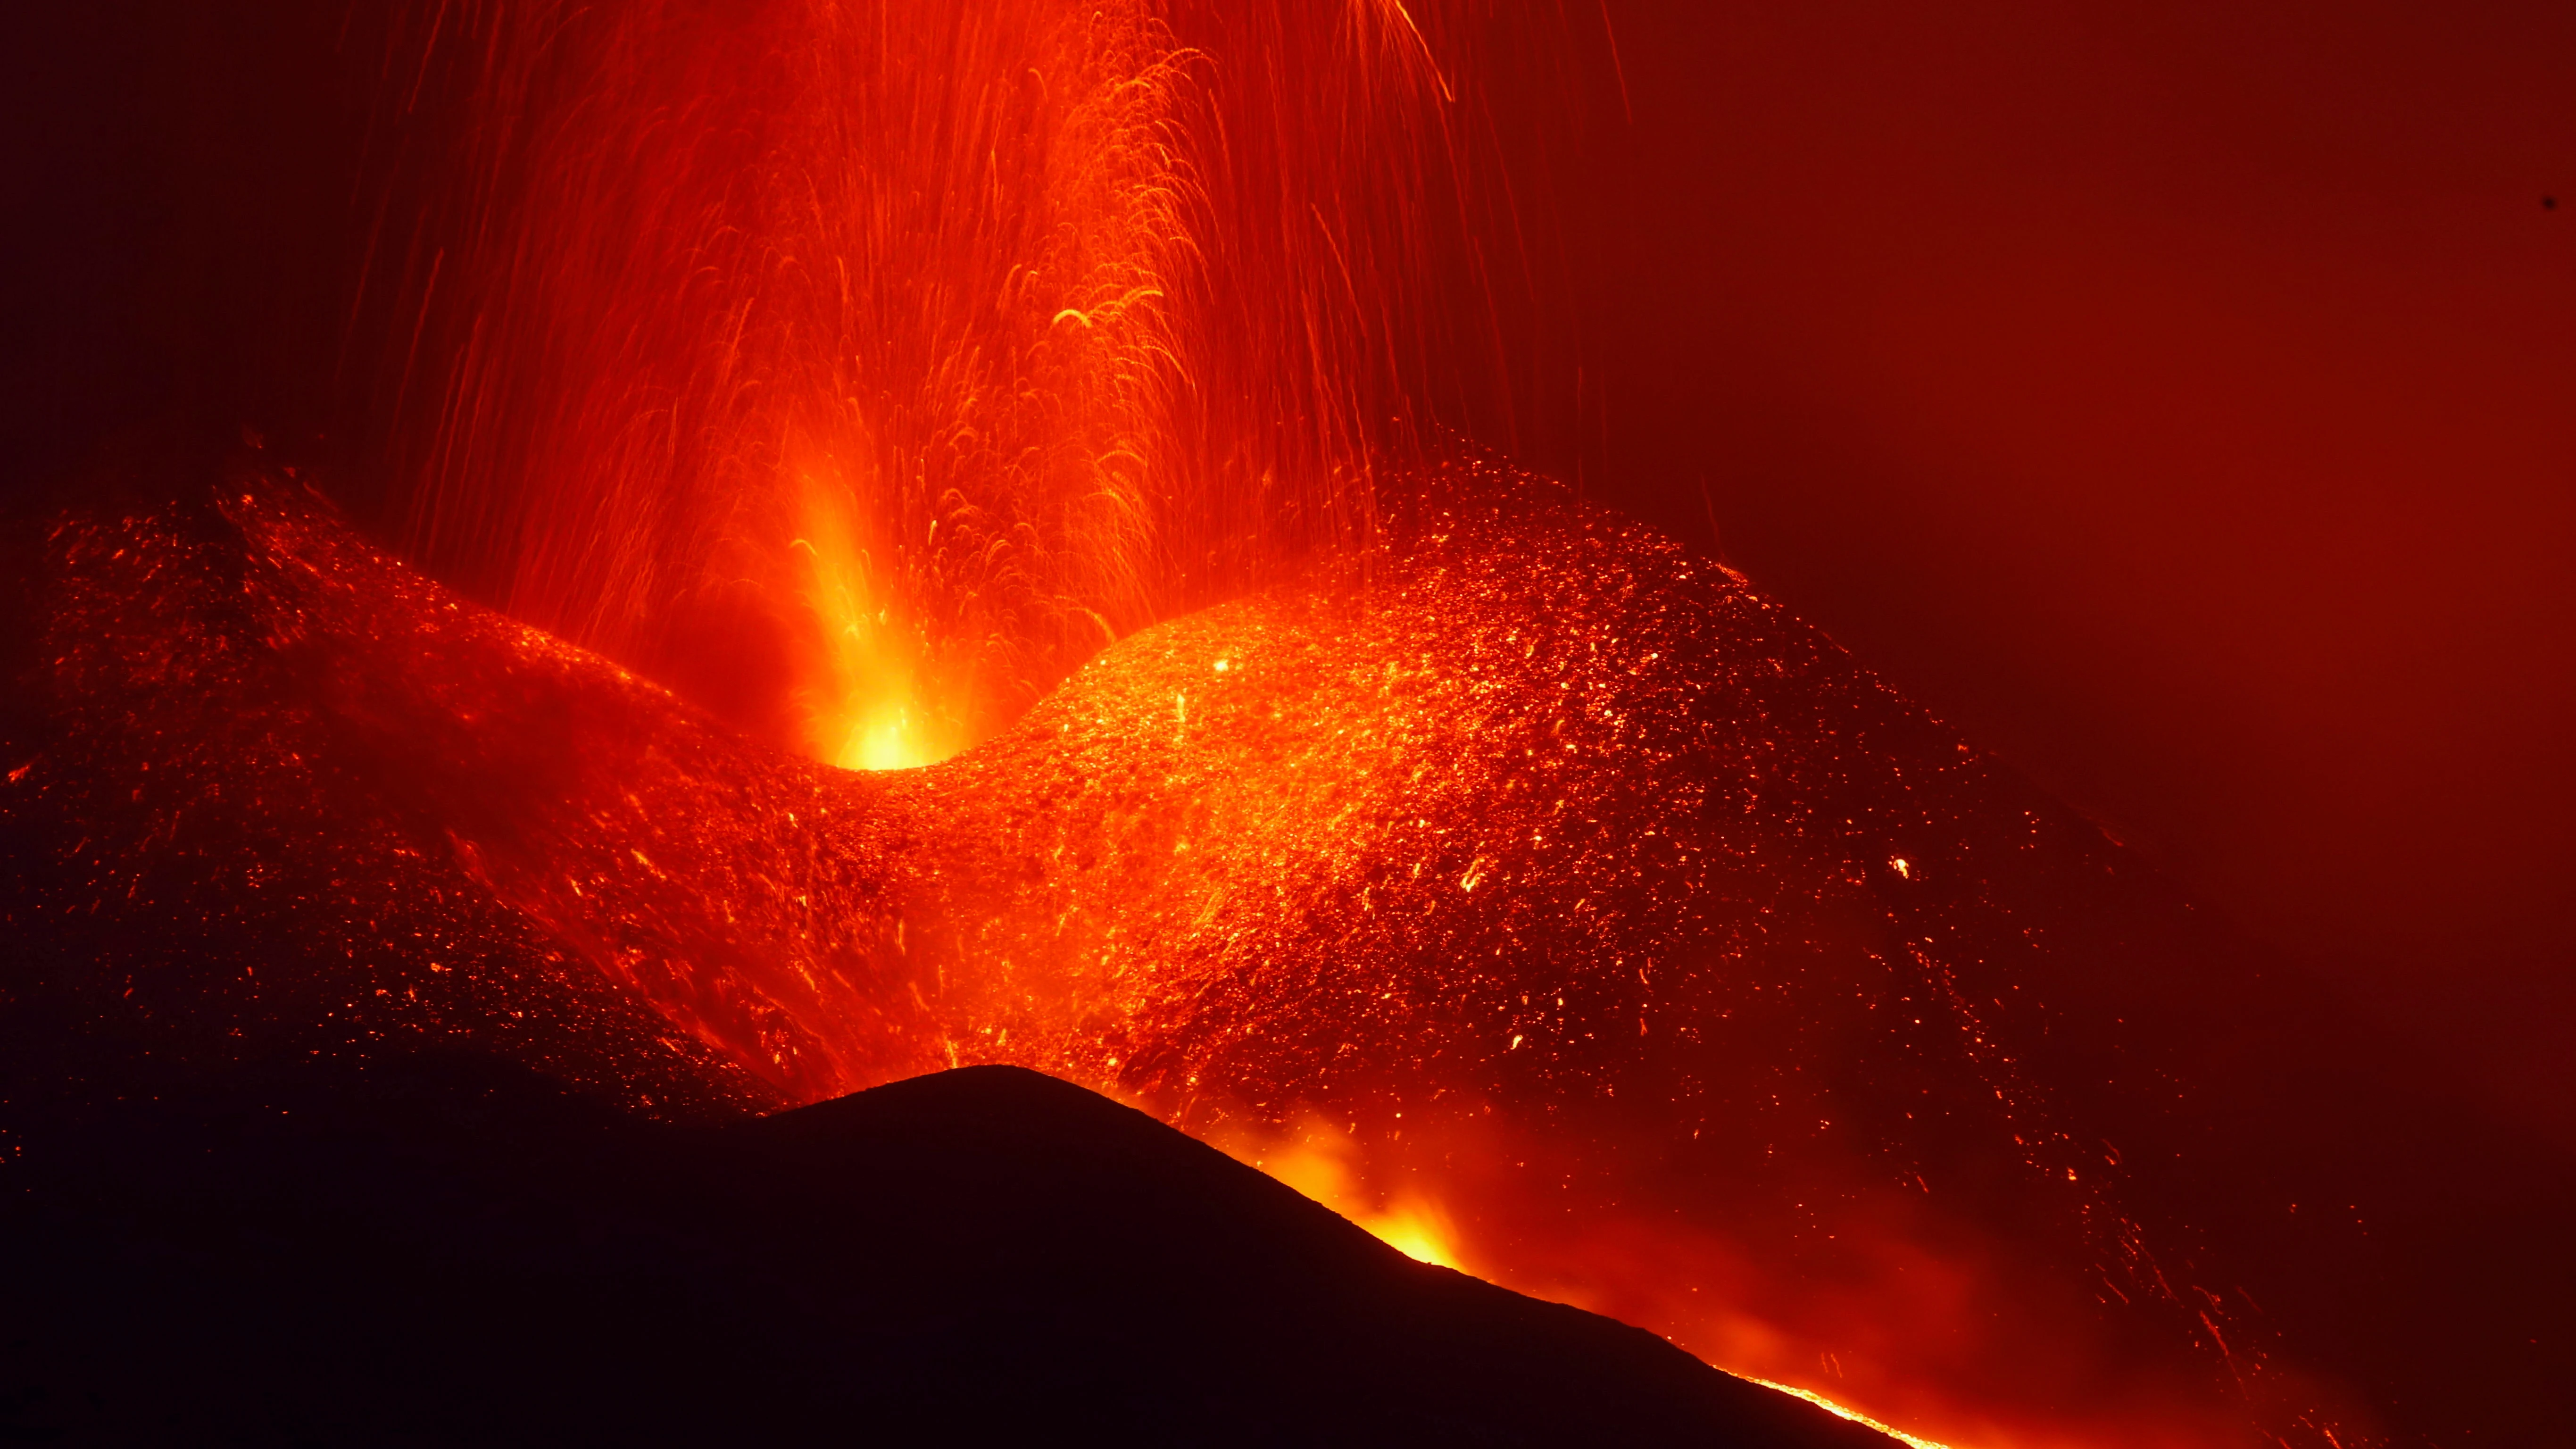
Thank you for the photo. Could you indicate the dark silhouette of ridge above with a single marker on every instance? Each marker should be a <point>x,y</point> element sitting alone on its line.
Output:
<point>434,1249</point>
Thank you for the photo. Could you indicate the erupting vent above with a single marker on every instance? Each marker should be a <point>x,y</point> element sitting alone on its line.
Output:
<point>861,369</point>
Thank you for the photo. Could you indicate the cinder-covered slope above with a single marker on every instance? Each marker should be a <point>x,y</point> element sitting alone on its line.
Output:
<point>1571,893</point>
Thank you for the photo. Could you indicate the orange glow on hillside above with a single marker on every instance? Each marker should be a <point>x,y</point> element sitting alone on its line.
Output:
<point>1324,1164</point>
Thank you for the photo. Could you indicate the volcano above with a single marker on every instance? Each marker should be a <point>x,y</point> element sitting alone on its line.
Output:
<point>1544,897</point>
<point>893,546</point>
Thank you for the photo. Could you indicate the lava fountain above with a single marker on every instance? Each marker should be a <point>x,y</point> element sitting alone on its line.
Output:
<point>1042,396</point>
<point>862,368</point>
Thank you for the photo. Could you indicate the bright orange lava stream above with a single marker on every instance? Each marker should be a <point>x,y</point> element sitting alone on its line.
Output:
<point>1857,1417</point>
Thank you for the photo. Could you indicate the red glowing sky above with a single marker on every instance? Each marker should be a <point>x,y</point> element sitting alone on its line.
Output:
<point>2179,396</point>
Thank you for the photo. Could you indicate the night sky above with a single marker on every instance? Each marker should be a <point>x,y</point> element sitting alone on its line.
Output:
<point>2178,396</point>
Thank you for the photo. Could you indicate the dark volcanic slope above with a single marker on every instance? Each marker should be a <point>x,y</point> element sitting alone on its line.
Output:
<point>451,1251</point>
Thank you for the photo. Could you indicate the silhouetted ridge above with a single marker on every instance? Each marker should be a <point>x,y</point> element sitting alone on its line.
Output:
<point>452,1250</point>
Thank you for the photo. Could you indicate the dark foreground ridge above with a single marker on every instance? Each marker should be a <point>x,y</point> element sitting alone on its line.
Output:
<point>445,1250</point>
